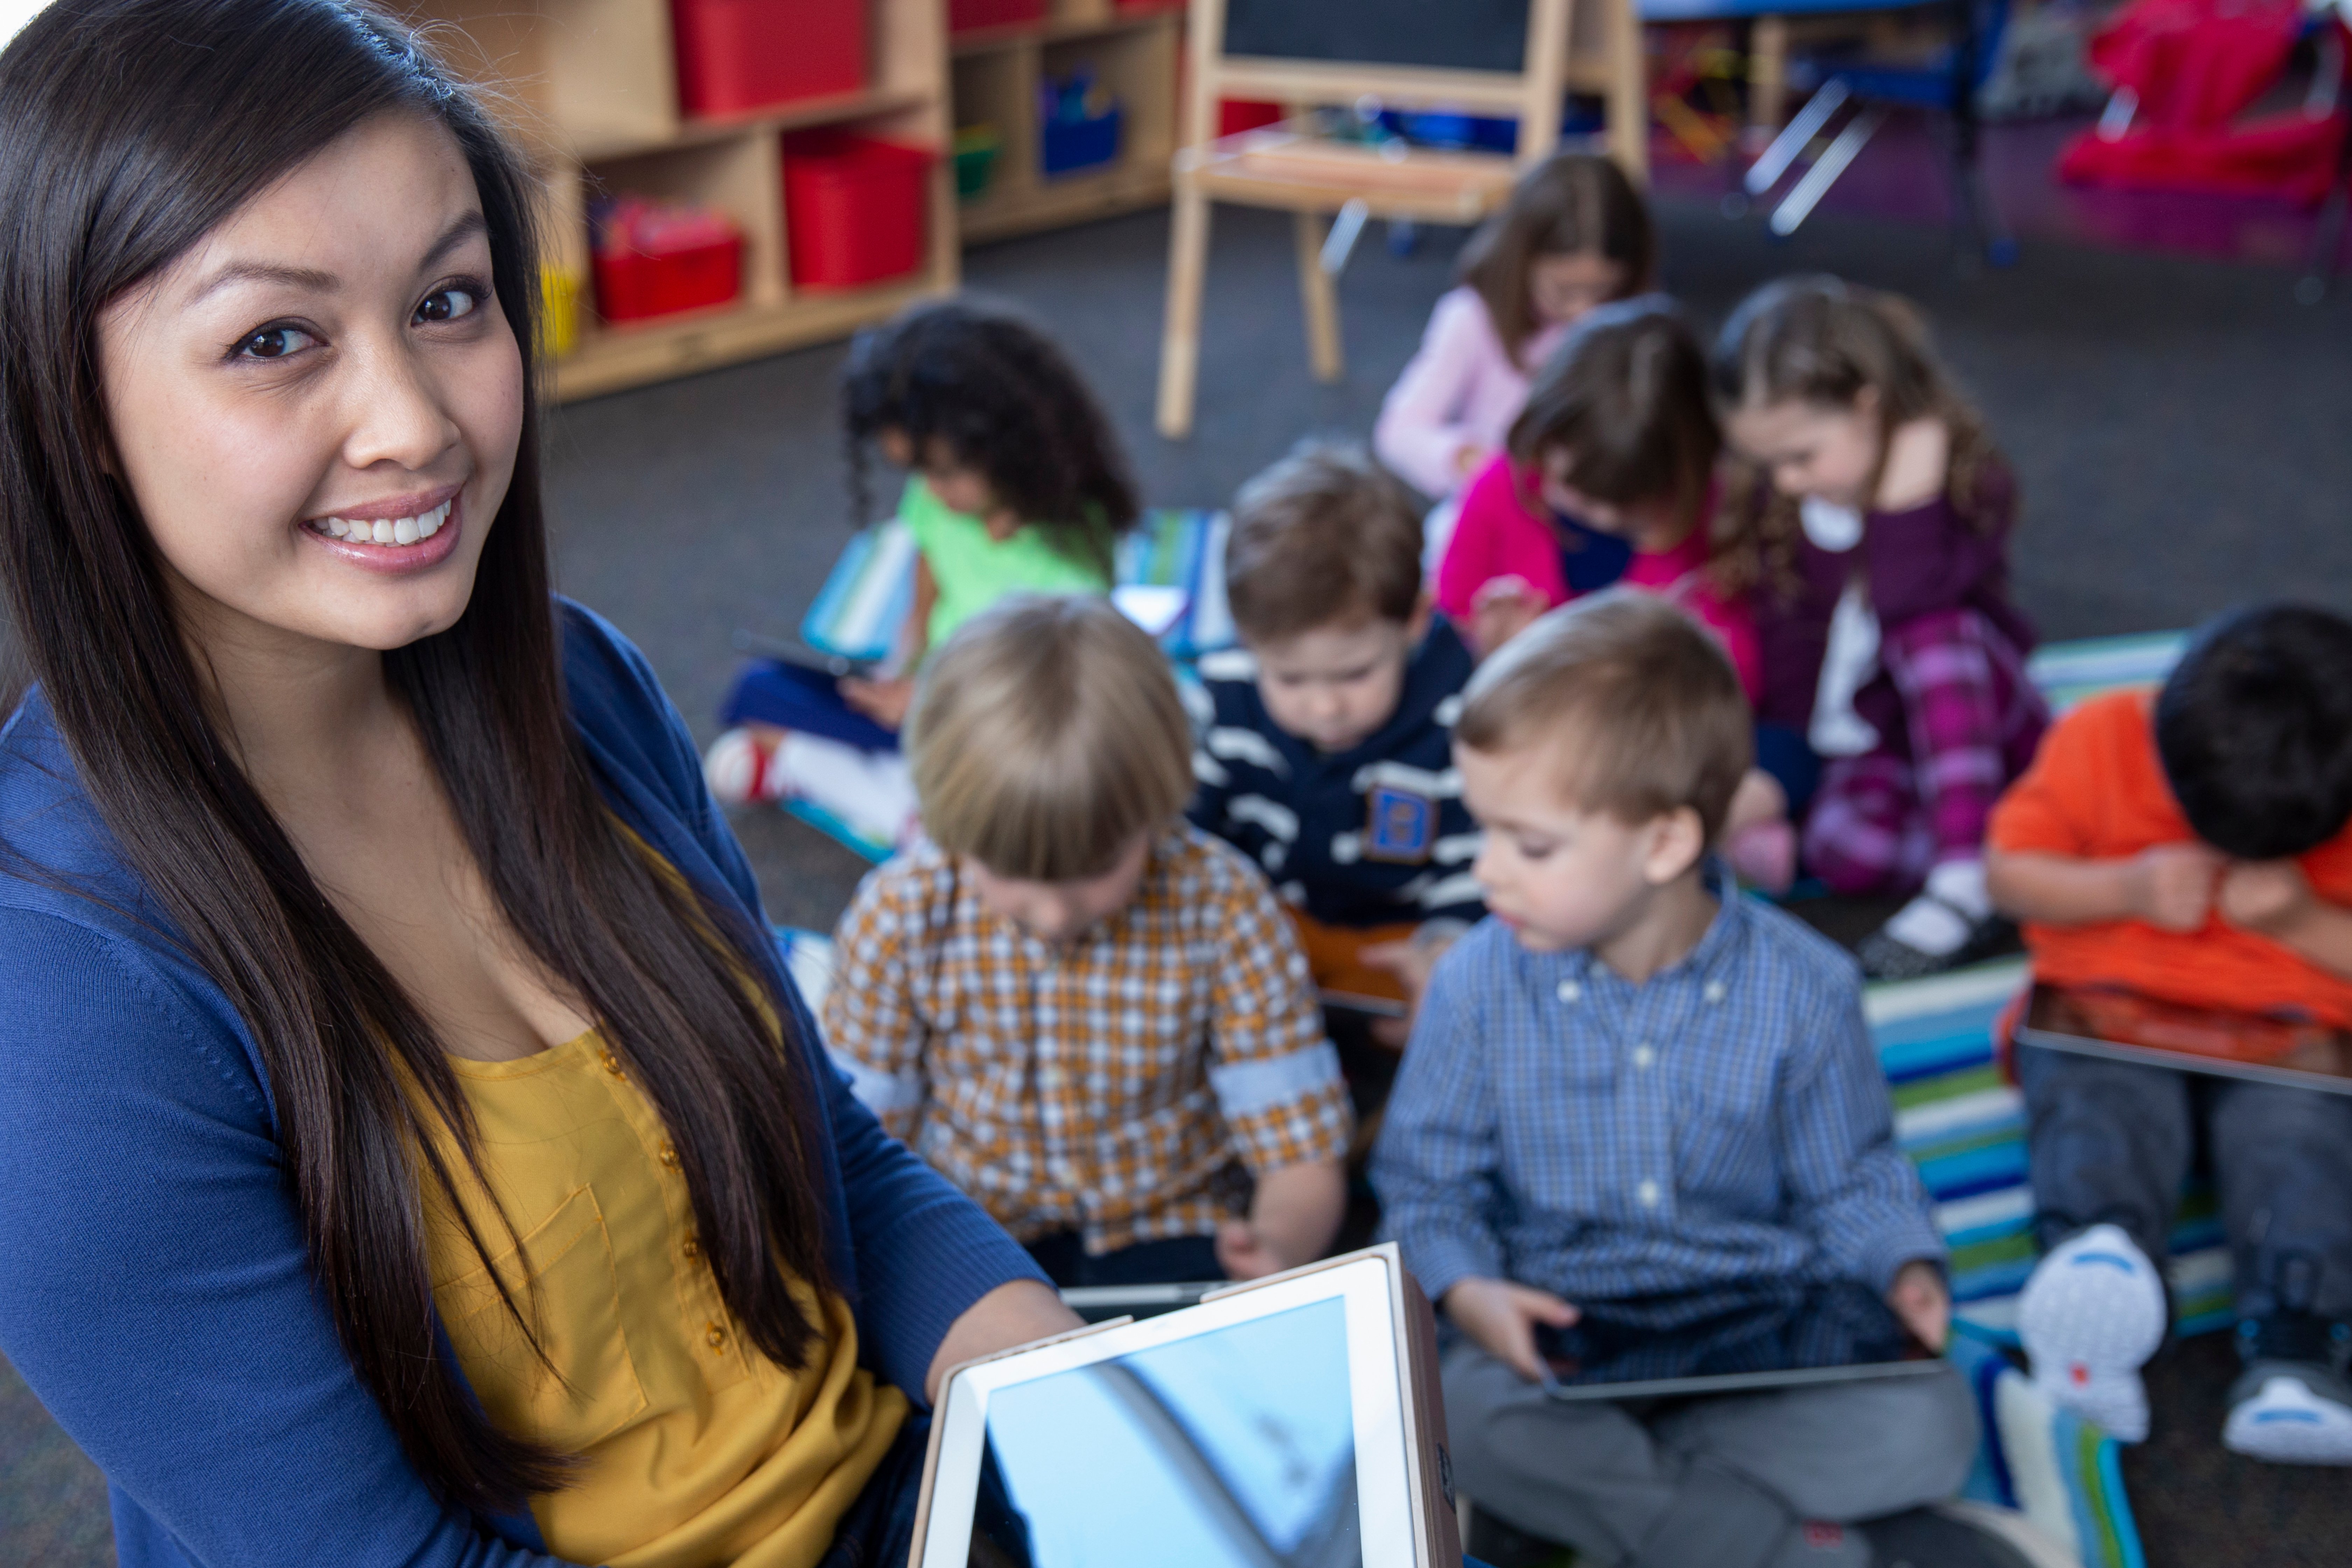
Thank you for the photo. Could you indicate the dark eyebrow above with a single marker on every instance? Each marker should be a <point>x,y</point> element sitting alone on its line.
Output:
<point>317,281</point>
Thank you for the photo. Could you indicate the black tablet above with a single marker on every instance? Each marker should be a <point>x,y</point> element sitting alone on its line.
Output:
<point>1727,1341</point>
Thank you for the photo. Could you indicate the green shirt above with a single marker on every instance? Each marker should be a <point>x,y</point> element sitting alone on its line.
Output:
<point>972,570</point>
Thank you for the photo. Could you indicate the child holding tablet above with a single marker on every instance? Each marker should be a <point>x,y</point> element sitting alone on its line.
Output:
<point>1016,483</point>
<point>2195,848</point>
<point>1327,756</point>
<point>1089,1015</point>
<point>1630,1082</point>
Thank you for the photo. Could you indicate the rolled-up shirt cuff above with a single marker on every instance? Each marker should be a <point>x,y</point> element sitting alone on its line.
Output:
<point>1898,1245</point>
<point>1439,1262</point>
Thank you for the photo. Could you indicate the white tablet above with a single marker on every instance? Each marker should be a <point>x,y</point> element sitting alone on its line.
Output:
<point>1294,1422</point>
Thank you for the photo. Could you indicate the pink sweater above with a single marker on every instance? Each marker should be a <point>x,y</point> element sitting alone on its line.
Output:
<point>1461,390</point>
<point>1496,536</point>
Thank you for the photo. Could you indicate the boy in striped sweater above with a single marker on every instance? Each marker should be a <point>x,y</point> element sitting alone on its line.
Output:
<point>1327,756</point>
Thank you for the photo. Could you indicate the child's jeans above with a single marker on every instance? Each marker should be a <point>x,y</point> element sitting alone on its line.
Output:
<point>2113,1140</point>
<point>1970,719</point>
<point>1744,1481</point>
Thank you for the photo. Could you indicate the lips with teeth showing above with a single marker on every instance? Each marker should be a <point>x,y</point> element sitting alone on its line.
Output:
<point>384,531</point>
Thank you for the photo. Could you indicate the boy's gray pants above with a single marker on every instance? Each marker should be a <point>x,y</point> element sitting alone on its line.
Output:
<point>2113,1140</point>
<point>1730,1481</point>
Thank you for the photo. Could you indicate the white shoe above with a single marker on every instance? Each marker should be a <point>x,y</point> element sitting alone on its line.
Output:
<point>2090,1317</point>
<point>2286,1422</point>
<point>740,769</point>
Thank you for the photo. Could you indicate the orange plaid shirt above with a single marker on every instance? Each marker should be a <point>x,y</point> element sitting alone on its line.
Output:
<point>1120,1085</point>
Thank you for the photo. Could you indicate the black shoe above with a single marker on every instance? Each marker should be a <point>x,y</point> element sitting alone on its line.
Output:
<point>1886,957</point>
<point>1958,1536</point>
<point>2292,1404</point>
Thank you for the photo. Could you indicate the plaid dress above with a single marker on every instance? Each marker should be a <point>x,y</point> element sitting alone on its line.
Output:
<point>1127,1085</point>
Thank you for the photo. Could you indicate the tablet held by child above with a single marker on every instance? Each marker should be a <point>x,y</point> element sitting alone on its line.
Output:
<point>1328,756</point>
<point>1889,640</point>
<point>1630,1082</point>
<point>2195,847</point>
<point>1089,1015</point>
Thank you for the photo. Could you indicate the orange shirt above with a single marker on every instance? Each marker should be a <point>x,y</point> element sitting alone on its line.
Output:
<point>2098,792</point>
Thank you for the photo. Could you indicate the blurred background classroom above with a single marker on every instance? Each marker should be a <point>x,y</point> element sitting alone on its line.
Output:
<point>2131,256</point>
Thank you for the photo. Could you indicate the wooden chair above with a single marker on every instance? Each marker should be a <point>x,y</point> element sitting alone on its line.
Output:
<point>1289,168</point>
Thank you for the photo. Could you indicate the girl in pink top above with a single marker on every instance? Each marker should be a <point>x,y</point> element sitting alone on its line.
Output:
<point>1573,235</point>
<point>1619,433</point>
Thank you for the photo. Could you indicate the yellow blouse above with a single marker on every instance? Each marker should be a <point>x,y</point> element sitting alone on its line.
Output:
<point>696,1450</point>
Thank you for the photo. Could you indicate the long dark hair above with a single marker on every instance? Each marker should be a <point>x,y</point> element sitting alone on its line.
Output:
<point>1568,205</point>
<point>128,129</point>
<point>1006,402</point>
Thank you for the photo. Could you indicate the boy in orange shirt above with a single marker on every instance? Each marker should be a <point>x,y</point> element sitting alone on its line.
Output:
<point>2195,848</point>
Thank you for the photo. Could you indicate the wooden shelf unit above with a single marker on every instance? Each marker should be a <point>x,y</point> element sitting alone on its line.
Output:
<point>1134,52</point>
<point>590,88</point>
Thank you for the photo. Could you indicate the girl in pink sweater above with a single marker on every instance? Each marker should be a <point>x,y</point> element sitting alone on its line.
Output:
<point>1619,434</point>
<point>1573,235</point>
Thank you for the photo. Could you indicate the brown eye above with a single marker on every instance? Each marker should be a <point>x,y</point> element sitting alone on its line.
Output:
<point>275,343</point>
<point>447,305</point>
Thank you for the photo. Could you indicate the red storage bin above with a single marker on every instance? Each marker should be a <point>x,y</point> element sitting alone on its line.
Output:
<point>1235,115</point>
<point>967,15</point>
<point>736,56</point>
<point>650,261</point>
<point>855,209</point>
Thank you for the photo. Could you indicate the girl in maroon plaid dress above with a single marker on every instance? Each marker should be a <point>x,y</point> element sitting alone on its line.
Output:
<point>1890,647</point>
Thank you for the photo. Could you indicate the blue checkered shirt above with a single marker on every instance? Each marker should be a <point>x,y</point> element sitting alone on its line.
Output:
<point>1557,1125</point>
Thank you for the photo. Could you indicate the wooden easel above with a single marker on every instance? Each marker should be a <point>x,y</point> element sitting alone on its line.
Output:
<point>1287,168</point>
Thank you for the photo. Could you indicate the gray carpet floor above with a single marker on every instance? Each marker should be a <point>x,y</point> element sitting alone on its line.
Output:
<point>2180,427</point>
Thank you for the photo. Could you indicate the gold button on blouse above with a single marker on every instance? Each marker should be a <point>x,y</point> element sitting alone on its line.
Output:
<point>716,1337</point>
<point>612,1062</point>
<point>670,1153</point>
<point>692,1248</point>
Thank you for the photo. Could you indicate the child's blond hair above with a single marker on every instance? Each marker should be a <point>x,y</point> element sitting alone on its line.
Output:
<point>1637,700</point>
<point>1045,737</point>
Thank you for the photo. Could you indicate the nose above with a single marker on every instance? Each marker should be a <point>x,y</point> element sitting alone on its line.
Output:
<point>1485,866</point>
<point>398,416</point>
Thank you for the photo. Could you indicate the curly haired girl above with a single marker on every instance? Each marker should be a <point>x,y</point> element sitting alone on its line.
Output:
<point>1016,483</point>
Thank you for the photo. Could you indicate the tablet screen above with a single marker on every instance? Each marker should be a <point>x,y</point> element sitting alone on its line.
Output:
<point>1751,1332</point>
<point>1232,1447</point>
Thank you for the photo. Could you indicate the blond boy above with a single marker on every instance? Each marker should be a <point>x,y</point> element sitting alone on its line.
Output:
<point>1633,1083</point>
<point>1088,1014</point>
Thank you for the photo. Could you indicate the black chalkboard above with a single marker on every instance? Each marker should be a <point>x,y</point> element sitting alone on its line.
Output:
<point>1460,34</point>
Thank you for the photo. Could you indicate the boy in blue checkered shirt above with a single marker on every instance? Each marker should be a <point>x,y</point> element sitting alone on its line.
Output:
<point>1632,1082</point>
<point>1327,752</point>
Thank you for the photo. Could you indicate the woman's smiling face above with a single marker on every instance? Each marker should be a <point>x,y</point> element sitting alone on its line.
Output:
<point>327,365</point>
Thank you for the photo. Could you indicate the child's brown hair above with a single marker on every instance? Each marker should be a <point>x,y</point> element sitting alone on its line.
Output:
<point>1822,340</point>
<point>1324,537</point>
<point>1625,400</point>
<point>1638,700</point>
<point>1045,736</point>
<point>1570,204</point>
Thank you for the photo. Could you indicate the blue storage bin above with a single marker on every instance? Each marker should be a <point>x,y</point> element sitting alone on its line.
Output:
<point>1070,145</point>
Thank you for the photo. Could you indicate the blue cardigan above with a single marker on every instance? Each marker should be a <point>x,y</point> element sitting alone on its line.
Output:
<point>154,1289</point>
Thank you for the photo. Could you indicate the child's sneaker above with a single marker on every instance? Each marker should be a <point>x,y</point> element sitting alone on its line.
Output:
<point>742,770</point>
<point>2292,1405</point>
<point>2090,1317</point>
